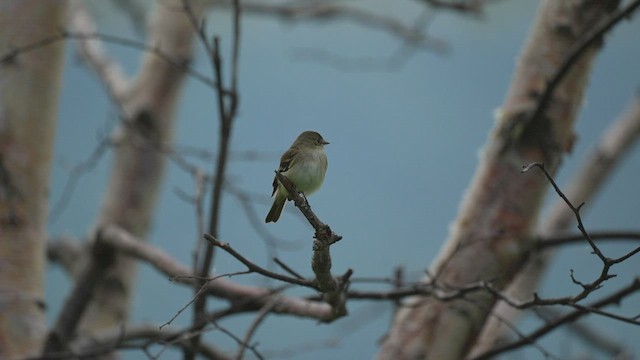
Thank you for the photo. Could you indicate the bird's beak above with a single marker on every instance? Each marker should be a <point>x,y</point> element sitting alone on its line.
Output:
<point>325,142</point>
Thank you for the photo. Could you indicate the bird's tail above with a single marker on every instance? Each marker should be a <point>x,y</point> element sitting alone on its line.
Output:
<point>276,208</point>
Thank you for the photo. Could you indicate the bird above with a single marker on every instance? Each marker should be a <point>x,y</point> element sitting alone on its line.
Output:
<point>304,164</point>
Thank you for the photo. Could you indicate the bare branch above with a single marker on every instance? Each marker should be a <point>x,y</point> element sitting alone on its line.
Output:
<point>226,116</point>
<point>599,165</point>
<point>334,288</point>
<point>591,335</point>
<point>257,222</point>
<point>255,268</point>
<point>323,231</point>
<point>586,41</point>
<point>102,256</point>
<point>575,210</point>
<point>199,293</point>
<point>76,172</point>
<point>323,11</point>
<point>554,324</point>
<point>473,7</point>
<point>606,262</point>
<point>262,314</point>
<point>109,71</point>
<point>66,252</point>
<point>488,240</point>
<point>131,338</point>
<point>287,268</point>
<point>253,298</point>
<point>64,35</point>
<point>602,236</point>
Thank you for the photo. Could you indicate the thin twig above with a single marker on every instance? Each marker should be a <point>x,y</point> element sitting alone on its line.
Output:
<point>287,268</point>
<point>255,268</point>
<point>602,236</point>
<point>262,315</point>
<point>582,45</point>
<point>198,294</point>
<point>129,338</point>
<point>11,56</point>
<point>606,262</point>
<point>323,11</point>
<point>73,179</point>
<point>591,335</point>
<point>252,297</point>
<point>554,324</point>
<point>225,119</point>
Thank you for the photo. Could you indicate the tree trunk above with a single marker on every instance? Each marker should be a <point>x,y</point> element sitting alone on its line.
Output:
<point>29,91</point>
<point>140,157</point>
<point>488,241</point>
<point>585,184</point>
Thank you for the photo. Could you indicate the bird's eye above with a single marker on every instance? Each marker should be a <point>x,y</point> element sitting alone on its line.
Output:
<point>319,141</point>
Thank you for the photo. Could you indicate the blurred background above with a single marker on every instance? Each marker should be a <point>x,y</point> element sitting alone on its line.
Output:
<point>406,124</point>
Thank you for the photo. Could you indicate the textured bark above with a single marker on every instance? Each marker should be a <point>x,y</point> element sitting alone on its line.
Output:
<point>29,91</point>
<point>488,240</point>
<point>149,109</point>
<point>597,168</point>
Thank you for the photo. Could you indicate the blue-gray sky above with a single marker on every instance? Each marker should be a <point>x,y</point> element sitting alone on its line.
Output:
<point>404,144</point>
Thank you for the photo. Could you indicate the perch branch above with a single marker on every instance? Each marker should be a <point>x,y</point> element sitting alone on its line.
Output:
<point>334,288</point>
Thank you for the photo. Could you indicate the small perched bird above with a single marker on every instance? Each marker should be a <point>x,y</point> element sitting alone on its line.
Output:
<point>305,164</point>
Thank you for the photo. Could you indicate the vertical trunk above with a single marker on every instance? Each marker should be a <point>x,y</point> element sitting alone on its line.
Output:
<point>487,241</point>
<point>29,91</point>
<point>139,158</point>
<point>584,185</point>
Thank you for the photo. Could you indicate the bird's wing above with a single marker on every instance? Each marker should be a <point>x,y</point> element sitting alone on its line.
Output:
<point>286,162</point>
<point>287,159</point>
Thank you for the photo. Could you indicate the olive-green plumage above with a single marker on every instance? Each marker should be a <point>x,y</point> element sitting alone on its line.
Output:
<point>305,164</point>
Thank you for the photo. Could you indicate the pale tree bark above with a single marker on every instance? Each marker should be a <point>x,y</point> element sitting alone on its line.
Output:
<point>148,107</point>
<point>596,169</point>
<point>29,92</point>
<point>489,239</point>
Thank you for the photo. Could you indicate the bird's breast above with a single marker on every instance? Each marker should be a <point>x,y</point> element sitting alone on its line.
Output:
<point>307,173</point>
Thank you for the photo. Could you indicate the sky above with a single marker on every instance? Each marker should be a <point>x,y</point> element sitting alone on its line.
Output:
<point>405,133</point>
